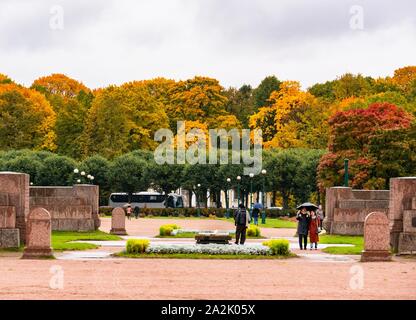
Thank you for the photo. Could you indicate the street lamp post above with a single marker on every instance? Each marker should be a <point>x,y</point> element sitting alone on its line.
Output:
<point>251,193</point>
<point>346,178</point>
<point>227,198</point>
<point>263,214</point>
<point>83,175</point>
<point>197,199</point>
<point>238,190</point>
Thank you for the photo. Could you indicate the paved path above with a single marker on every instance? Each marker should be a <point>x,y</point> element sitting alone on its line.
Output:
<point>206,279</point>
<point>150,227</point>
<point>94,274</point>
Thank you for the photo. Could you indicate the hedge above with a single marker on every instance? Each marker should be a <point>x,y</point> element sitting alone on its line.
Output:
<point>193,212</point>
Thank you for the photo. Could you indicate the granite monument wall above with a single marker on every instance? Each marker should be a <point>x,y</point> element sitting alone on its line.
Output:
<point>346,209</point>
<point>14,207</point>
<point>71,208</point>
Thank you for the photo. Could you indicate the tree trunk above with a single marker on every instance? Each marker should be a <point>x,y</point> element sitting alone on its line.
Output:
<point>285,201</point>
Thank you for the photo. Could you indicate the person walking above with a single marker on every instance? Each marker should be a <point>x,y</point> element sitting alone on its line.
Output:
<point>255,216</point>
<point>314,226</point>
<point>136,212</point>
<point>128,212</point>
<point>242,220</point>
<point>321,216</point>
<point>303,218</point>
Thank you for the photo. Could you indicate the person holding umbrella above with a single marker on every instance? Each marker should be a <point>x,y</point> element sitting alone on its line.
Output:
<point>314,226</point>
<point>304,217</point>
<point>256,212</point>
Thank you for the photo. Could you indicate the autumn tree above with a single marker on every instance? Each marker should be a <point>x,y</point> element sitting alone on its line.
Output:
<point>123,119</point>
<point>295,119</point>
<point>71,101</point>
<point>350,85</point>
<point>351,133</point>
<point>26,119</point>
<point>405,78</point>
<point>199,99</point>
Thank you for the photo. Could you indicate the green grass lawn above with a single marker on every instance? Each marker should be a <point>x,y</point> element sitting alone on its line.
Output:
<point>270,222</point>
<point>12,249</point>
<point>61,239</point>
<point>357,241</point>
<point>201,256</point>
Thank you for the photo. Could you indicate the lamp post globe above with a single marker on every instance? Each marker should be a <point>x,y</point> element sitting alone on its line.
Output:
<point>197,199</point>
<point>227,199</point>
<point>263,214</point>
<point>238,190</point>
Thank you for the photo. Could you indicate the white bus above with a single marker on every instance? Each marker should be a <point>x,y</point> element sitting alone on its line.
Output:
<point>146,199</point>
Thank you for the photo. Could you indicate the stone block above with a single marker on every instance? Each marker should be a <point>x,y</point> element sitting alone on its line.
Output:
<point>407,243</point>
<point>347,228</point>
<point>68,225</point>
<point>38,235</point>
<point>409,221</point>
<point>9,238</point>
<point>86,225</point>
<point>376,238</point>
<point>371,194</point>
<point>7,217</point>
<point>118,222</point>
<point>352,204</point>
<point>205,238</point>
<point>55,224</point>
<point>4,199</point>
<point>377,204</point>
<point>402,192</point>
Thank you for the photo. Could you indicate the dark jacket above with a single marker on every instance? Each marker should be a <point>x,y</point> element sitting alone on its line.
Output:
<point>303,223</point>
<point>242,217</point>
<point>255,213</point>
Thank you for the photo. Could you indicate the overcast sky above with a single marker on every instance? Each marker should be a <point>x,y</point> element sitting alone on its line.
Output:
<point>102,42</point>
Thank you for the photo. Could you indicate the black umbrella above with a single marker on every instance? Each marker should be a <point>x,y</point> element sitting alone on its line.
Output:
<point>308,206</point>
<point>258,206</point>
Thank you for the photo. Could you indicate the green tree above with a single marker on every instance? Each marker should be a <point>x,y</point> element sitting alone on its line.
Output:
<point>127,174</point>
<point>264,90</point>
<point>57,171</point>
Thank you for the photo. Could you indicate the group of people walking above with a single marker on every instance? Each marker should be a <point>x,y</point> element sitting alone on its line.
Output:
<point>130,211</point>
<point>309,223</point>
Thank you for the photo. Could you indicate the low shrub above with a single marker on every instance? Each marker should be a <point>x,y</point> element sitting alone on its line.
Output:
<point>193,212</point>
<point>166,230</point>
<point>105,211</point>
<point>278,247</point>
<point>253,231</point>
<point>137,245</point>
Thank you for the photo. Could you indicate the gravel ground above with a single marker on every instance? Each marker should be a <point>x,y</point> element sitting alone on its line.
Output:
<point>314,275</point>
<point>294,278</point>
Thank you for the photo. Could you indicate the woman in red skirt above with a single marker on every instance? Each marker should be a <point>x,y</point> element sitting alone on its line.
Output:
<point>314,224</point>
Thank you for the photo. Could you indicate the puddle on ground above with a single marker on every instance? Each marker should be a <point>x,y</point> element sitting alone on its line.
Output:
<point>84,255</point>
<point>316,257</point>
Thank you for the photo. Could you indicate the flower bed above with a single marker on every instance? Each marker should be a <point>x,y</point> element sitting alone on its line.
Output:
<point>210,249</point>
